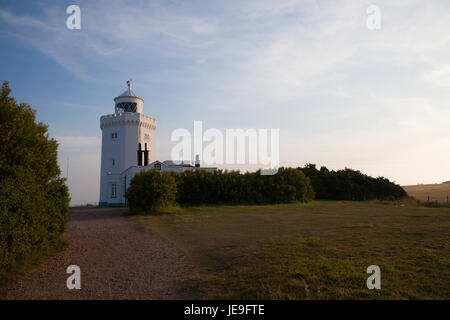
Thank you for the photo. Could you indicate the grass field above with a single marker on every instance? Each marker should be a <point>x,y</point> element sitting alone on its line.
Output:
<point>437,192</point>
<point>319,250</point>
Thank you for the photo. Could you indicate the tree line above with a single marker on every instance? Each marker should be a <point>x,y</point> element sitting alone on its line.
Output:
<point>152,189</point>
<point>348,184</point>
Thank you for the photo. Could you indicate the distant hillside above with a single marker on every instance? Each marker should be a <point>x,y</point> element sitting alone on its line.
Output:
<point>445,182</point>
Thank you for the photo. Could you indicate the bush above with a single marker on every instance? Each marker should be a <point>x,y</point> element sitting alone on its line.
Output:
<point>350,184</point>
<point>34,200</point>
<point>151,190</point>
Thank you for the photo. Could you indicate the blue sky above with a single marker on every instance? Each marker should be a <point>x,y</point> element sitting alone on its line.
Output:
<point>342,95</point>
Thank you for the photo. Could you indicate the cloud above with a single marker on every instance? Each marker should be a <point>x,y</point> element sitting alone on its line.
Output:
<point>109,30</point>
<point>23,21</point>
<point>266,51</point>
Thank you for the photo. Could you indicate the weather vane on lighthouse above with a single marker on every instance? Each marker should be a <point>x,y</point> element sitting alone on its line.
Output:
<point>129,83</point>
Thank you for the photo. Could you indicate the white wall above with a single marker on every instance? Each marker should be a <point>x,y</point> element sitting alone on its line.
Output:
<point>131,129</point>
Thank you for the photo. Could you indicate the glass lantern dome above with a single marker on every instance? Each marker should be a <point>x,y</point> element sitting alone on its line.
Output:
<point>125,107</point>
<point>128,101</point>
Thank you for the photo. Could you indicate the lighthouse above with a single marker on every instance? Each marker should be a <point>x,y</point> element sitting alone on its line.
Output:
<point>128,141</point>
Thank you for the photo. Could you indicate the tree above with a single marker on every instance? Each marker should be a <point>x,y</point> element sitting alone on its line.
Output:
<point>34,200</point>
<point>350,184</point>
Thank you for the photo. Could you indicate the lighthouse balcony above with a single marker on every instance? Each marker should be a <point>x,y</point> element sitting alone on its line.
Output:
<point>118,119</point>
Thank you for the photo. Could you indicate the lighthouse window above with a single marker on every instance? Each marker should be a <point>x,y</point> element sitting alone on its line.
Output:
<point>113,162</point>
<point>126,107</point>
<point>113,190</point>
<point>114,135</point>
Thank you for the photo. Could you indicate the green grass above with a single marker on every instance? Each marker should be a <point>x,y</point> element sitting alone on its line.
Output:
<point>318,250</point>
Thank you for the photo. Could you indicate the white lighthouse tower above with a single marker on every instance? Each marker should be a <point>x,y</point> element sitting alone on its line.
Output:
<point>128,140</point>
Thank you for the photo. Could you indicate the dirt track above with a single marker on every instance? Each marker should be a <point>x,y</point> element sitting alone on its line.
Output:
<point>118,260</point>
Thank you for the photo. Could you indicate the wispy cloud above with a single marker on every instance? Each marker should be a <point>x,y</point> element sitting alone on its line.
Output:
<point>269,50</point>
<point>110,30</point>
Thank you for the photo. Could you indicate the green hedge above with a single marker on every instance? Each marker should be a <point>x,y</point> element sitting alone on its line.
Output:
<point>34,200</point>
<point>232,187</point>
<point>151,189</point>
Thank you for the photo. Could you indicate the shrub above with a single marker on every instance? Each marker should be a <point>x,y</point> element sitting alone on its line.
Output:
<point>350,184</point>
<point>151,190</point>
<point>34,200</point>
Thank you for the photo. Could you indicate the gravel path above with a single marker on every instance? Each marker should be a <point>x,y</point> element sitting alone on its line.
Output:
<point>117,258</point>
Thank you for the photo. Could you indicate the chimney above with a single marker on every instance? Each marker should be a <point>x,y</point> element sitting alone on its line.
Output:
<point>197,161</point>
<point>145,155</point>
<point>139,155</point>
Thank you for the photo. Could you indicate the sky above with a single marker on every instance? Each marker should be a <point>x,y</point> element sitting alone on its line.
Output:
<point>342,94</point>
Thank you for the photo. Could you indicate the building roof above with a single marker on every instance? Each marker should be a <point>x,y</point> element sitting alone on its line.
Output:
<point>183,163</point>
<point>167,164</point>
<point>128,93</point>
